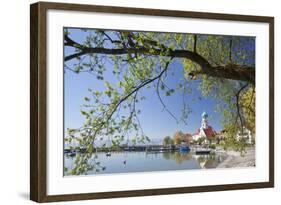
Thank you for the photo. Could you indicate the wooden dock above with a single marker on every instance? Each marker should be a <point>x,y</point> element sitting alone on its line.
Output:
<point>132,148</point>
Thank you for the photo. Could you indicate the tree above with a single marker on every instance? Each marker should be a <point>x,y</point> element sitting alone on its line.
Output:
<point>167,141</point>
<point>223,66</point>
<point>187,138</point>
<point>178,137</point>
<point>200,140</point>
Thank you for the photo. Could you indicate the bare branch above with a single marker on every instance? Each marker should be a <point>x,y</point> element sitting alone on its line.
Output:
<point>110,39</point>
<point>162,102</point>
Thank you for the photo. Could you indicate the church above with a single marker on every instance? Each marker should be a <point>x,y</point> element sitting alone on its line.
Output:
<point>205,131</point>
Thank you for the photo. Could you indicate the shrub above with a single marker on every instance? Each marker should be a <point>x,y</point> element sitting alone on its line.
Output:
<point>212,146</point>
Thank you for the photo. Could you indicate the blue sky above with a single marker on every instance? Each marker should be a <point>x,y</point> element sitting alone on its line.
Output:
<point>156,123</point>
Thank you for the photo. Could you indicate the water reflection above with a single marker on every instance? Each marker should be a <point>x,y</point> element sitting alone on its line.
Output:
<point>209,161</point>
<point>177,156</point>
<point>123,162</point>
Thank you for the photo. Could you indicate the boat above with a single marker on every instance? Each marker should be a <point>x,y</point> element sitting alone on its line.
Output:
<point>202,151</point>
<point>72,153</point>
<point>108,154</point>
<point>184,149</point>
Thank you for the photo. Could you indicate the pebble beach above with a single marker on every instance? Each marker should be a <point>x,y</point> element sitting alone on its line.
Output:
<point>234,159</point>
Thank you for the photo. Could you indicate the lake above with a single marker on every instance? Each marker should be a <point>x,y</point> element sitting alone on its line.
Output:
<point>124,162</point>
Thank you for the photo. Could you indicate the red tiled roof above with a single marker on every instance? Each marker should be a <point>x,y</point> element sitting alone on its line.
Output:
<point>210,132</point>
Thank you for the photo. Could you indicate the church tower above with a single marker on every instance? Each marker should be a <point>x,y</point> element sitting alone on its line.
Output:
<point>206,131</point>
<point>204,121</point>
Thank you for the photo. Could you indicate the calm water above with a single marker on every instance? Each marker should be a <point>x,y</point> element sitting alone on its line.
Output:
<point>122,162</point>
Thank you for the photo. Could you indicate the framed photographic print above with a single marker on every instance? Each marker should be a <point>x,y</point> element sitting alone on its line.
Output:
<point>134,102</point>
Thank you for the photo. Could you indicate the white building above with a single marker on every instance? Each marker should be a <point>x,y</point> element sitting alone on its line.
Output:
<point>247,135</point>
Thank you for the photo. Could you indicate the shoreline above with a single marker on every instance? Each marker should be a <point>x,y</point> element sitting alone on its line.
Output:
<point>234,159</point>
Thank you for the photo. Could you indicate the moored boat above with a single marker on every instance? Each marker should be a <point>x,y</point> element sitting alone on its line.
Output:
<point>72,153</point>
<point>202,151</point>
<point>184,149</point>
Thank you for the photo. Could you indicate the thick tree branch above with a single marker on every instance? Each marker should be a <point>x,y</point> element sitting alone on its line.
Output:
<point>230,71</point>
<point>195,43</point>
<point>238,106</point>
<point>230,50</point>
